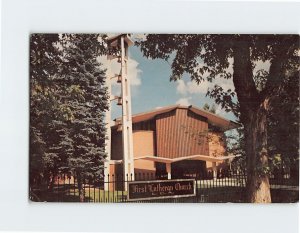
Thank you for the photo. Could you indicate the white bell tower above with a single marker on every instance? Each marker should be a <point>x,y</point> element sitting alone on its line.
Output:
<point>118,45</point>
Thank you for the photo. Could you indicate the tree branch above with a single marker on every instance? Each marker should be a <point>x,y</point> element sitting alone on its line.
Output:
<point>242,75</point>
<point>284,50</point>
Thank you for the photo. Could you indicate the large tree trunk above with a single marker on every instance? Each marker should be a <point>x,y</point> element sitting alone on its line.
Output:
<point>253,111</point>
<point>258,187</point>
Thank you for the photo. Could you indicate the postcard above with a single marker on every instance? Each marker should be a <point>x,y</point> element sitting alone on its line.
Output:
<point>180,118</point>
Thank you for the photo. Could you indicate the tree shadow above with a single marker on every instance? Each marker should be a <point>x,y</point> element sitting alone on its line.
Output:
<point>61,193</point>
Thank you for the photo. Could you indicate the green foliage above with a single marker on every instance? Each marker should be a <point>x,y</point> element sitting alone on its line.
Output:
<point>211,108</point>
<point>283,129</point>
<point>67,105</point>
<point>275,161</point>
<point>284,118</point>
<point>207,57</point>
<point>196,55</point>
<point>262,169</point>
<point>235,145</point>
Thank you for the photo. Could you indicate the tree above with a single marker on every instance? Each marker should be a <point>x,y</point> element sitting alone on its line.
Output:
<point>208,108</point>
<point>199,55</point>
<point>44,64</point>
<point>283,127</point>
<point>68,101</point>
<point>283,132</point>
<point>85,97</point>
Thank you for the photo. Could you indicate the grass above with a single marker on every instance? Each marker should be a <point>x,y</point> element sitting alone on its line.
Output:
<point>70,193</point>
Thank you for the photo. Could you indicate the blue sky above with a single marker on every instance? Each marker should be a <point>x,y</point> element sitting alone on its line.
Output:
<point>151,87</point>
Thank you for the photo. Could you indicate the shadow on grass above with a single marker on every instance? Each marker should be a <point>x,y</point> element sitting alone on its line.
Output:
<point>70,193</point>
<point>284,196</point>
<point>62,193</point>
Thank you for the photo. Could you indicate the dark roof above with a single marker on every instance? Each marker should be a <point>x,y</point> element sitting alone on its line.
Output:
<point>213,119</point>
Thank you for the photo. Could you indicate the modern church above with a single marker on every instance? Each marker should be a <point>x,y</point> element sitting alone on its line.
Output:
<point>175,141</point>
<point>169,142</point>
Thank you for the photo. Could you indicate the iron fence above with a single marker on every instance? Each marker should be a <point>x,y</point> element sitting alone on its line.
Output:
<point>112,188</point>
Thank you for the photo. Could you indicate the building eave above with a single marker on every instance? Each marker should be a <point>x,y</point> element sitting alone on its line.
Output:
<point>212,118</point>
<point>190,157</point>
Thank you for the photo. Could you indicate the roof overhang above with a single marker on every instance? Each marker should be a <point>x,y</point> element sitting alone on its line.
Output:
<point>212,118</point>
<point>151,114</point>
<point>190,157</point>
<point>215,119</point>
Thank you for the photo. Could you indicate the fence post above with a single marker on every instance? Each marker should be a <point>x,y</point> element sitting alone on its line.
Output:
<point>106,175</point>
<point>214,168</point>
<point>169,170</point>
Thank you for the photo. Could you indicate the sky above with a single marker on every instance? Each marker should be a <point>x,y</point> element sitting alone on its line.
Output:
<point>151,87</point>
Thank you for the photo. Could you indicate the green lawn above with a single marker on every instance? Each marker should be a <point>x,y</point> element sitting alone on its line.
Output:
<point>68,193</point>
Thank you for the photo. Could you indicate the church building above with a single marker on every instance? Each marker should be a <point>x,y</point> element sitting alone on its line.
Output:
<point>174,142</point>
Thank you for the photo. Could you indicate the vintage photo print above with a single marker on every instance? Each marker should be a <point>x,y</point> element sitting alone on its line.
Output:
<point>180,118</point>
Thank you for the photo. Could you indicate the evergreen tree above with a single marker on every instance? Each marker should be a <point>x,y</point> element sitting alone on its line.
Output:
<point>85,98</point>
<point>44,64</point>
<point>68,101</point>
